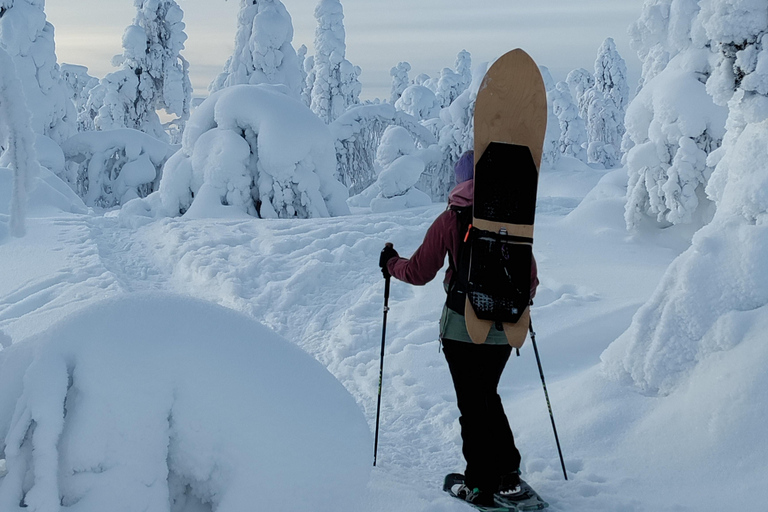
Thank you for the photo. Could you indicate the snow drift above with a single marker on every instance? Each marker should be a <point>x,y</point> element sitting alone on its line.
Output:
<point>149,399</point>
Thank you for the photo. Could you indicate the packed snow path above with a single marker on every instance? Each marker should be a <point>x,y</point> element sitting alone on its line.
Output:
<point>316,282</point>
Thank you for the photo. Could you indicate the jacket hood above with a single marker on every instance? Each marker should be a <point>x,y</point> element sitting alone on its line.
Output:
<point>462,194</point>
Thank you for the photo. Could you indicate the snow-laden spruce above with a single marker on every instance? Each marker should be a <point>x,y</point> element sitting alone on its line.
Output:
<point>714,291</point>
<point>18,141</point>
<point>573,133</point>
<point>28,38</point>
<point>79,84</point>
<point>254,150</point>
<point>607,106</point>
<point>551,150</point>
<point>150,401</point>
<point>152,75</point>
<point>335,86</point>
<point>400,81</point>
<point>672,124</point>
<point>419,101</point>
<point>264,53</point>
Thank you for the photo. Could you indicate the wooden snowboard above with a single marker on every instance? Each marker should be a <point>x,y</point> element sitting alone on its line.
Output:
<point>510,123</point>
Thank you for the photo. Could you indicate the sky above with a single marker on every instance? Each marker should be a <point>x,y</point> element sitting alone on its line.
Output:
<point>559,34</point>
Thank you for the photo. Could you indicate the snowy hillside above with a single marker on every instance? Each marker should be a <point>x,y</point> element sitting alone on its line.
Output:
<point>315,282</point>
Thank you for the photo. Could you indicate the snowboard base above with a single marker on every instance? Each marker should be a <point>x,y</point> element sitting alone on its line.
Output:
<point>527,500</point>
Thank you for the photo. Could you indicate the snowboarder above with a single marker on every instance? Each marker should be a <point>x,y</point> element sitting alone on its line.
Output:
<point>488,444</point>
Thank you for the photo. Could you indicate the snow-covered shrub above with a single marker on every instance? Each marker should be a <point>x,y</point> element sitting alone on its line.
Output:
<point>159,402</point>
<point>419,101</point>
<point>256,149</point>
<point>399,167</point>
<point>672,124</point>
<point>358,134</point>
<point>399,76</point>
<point>152,75</point>
<point>573,133</point>
<point>111,167</point>
<point>18,140</point>
<point>335,87</point>
<point>710,296</point>
<point>79,83</point>
<point>28,38</point>
<point>264,53</point>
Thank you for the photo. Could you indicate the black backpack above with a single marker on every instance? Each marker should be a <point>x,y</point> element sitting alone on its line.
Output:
<point>494,269</point>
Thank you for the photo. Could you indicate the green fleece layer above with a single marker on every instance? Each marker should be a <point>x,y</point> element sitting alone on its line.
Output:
<point>453,327</point>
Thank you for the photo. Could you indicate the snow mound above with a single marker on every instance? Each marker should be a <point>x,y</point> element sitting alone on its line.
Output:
<point>48,195</point>
<point>149,399</point>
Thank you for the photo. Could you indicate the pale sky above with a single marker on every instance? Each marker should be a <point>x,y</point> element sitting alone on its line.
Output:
<point>560,34</point>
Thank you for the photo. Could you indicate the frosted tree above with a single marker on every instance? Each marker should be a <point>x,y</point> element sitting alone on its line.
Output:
<point>400,171</point>
<point>152,74</point>
<point>336,86</point>
<point>712,296</point>
<point>573,133</point>
<point>672,124</point>
<point>399,76</point>
<point>306,65</point>
<point>606,106</point>
<point>264,53</point>
<point>17,137</point>
<point>28,38</point>
<point>79,83</point>
<point>580,81</point>
<point>420,102</point>
<point>464,68</point>
<point>253,150</point>
<point>551,151</point>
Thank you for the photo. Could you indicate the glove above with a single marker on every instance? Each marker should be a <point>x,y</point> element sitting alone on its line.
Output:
<point>387,254</point>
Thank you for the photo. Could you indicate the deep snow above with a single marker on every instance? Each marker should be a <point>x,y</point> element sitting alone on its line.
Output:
<point>315,282</point>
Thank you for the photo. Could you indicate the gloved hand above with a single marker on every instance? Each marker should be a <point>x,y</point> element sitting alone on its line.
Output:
<point>387,254</point>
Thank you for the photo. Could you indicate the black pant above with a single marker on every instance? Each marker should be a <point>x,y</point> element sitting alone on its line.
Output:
<point>489,446</point>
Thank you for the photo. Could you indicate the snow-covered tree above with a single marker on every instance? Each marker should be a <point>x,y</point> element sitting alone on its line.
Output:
<point>28,38</point>
<point>152,74</point>
<point>358,135</point>
<point>672,124</point>
<point>551,150</point>
<point>464,68</point>
<point>400,171</point>
<point>18,139</point>
<point>264,53</point>
<point>336,86</point>
<point>257,151</point>
<point>110,168</point>
<point>79,83</point>
<point>712,295</point>
<point>580,81</point>
<point>606,106</point>
<point>419,101</point>
<point>399,76</point>
<point>573,133</point>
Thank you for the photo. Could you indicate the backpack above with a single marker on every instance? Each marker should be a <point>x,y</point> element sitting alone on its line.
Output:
<point>492,269</point>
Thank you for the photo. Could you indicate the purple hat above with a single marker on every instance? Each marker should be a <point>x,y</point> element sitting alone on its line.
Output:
<point>465,167</point>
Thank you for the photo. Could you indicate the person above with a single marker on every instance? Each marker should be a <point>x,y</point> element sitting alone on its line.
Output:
<point>488,444</point>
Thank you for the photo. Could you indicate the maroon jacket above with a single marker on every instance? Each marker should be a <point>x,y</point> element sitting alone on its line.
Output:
<point>442,237</point>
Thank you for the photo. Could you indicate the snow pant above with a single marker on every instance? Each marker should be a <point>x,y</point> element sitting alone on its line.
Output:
<point>488,443</point>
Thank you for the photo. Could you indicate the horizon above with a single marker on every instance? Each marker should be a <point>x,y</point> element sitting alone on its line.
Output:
<point>377,36</point>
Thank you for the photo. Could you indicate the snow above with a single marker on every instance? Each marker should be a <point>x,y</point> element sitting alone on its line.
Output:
<point>315,283</point>
<point>190,403</point>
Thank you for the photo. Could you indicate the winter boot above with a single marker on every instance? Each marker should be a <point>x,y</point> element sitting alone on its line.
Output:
<point>475,496</point>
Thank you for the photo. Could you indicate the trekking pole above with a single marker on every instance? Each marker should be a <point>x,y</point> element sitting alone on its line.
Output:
<point>546,395</point>
<point>381,366</point>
